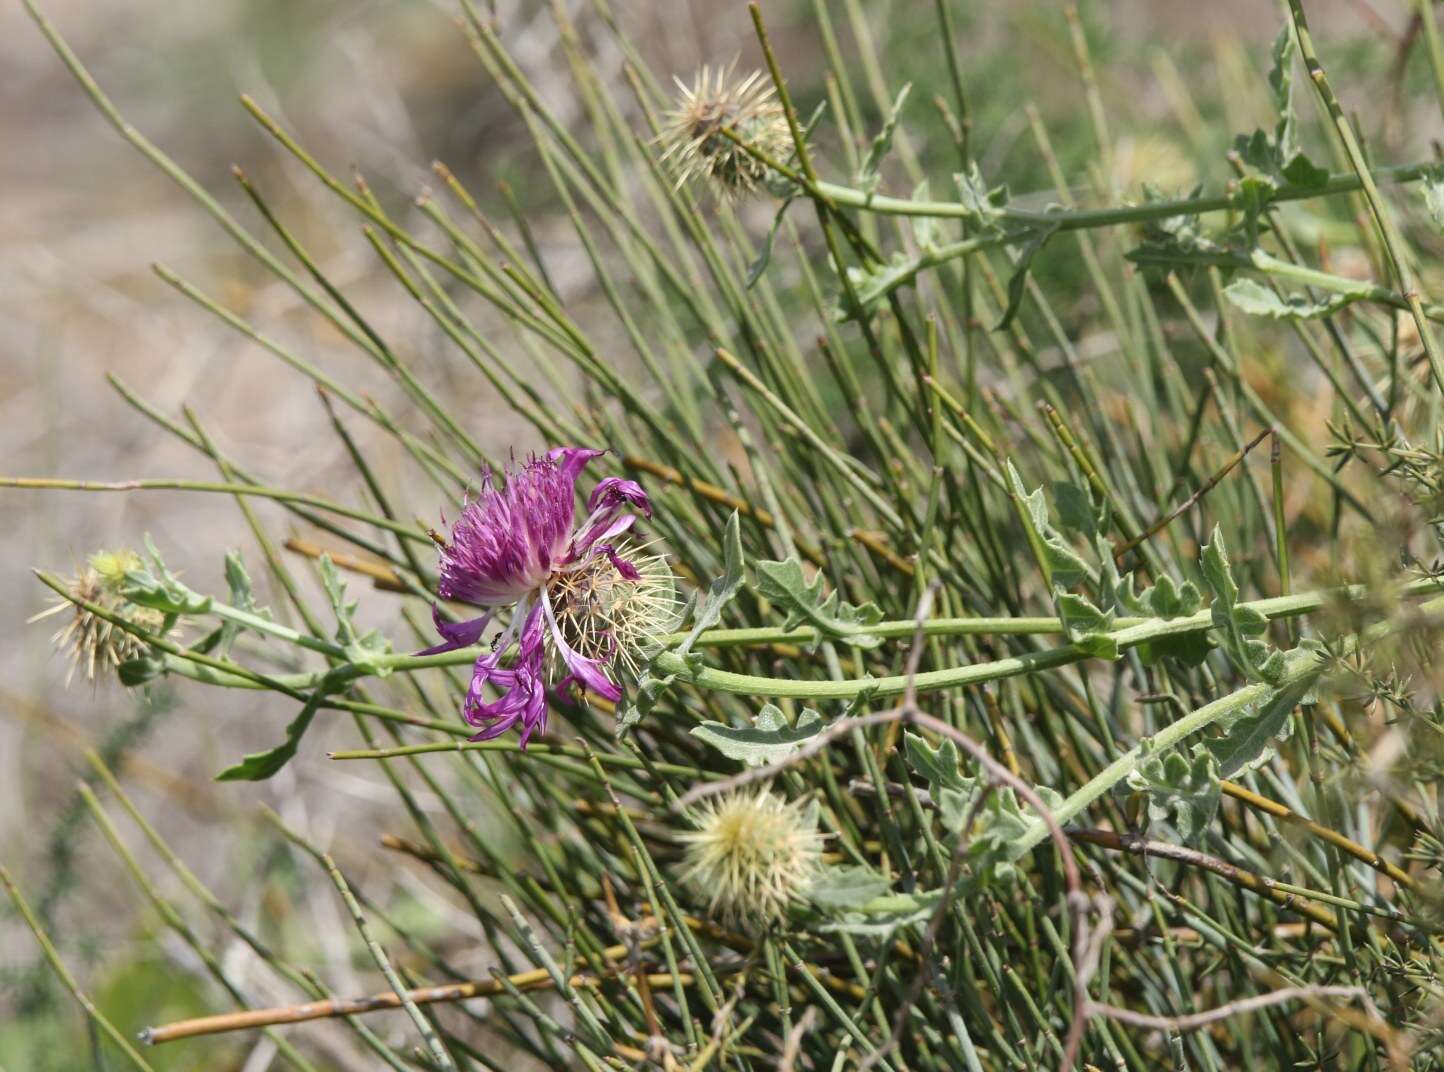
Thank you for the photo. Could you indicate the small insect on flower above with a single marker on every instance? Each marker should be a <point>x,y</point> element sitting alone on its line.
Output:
<point>695,144</point>
<point>754,854</point>
<point>88,638</point>
<point>581,603</point>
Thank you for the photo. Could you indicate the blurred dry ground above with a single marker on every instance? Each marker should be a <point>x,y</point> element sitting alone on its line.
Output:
<point>386,86</point>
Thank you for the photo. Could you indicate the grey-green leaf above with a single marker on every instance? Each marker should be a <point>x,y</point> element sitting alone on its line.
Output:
<point>1185,795</point>
<point>157,587</point>
<point>1237,625</point>
<point>939,766</point>
<point>258,766</point>
<point>1258,300</point>
<point>1432,183</point>
<point>867,175</point>
<point>1301,171</point>
<point>983,204</point>
<point>1066,565</point>
<point>926,229</point>
<point>847,887</point>
<point>1076,512</point>
<point>722,590</point>
<point>767,740</point>
<point>641,699</point>
<point>242,598</point>
<point>758,266</point>
<point>784,584</point>
<point>1018,281</point>
<point>1247,744</point>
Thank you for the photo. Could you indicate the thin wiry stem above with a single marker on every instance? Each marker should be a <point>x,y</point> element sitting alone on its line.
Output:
<point>63,973</point>
<point>410,532</point>
<point>383,962</point>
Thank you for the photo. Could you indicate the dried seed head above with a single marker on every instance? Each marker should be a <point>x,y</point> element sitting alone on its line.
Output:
<point>606,616</point>
<point>87,638</point>
<point>754,854</point>
<point>695,144</point>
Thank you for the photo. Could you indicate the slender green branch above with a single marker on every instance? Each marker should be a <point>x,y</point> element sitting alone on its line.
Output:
<point>1029,662</point>
<point>1432,46</point>
<point>438,1052</point>
<point>1300,670</point>
<point>1087,219</point>
<point>1164,739</point>
<point>1259,261</point>
<point>1129,632</point>
<point>1303,665</point>
<point>1025,225</point>
<point>409,532</point>
<point>837,195</point>
<point>53,956</point>
<point>1388,230</point>
<point>535,748</point>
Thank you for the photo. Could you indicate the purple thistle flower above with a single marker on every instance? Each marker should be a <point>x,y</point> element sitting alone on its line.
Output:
<point>518,546</point>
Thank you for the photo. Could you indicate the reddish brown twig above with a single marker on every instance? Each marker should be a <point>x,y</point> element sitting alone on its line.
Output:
<point>1207,486</point>
<point>536,979</point>
<point>1197,1020</point>
<point>1164,850</point>
<point>1333,837</point>
<point>382,575</point>
<point>712,493</point>
<point>877,544</point>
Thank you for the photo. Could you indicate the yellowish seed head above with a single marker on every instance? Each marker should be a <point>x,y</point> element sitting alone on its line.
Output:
<point>696,146</point>
<point>89,639</point>
<point>754,854</point>
<point>605,616</point>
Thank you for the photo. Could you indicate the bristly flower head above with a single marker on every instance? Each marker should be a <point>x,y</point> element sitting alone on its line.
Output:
<point>695,144</point>
<point>580,601</point>
<point>754,854</point>
<point>89,639</point>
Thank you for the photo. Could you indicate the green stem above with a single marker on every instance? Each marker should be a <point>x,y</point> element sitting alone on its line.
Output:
<point>1086,219</point>
<point>1025,224</point>
<point>53,956</point>
<point>1388,230</point>
<point>1123,766</point>
<point>1129,632</point>
<point>1160,742</point>
<point>1359,289</point>
<point>1259,261</point>
<point>542,748</point>
<point>1302,667</point>
<point>1432,46</point>
<point>428,1033</point>
<point>261,624</point>
<point>163,484</point>
<point>979,673</point>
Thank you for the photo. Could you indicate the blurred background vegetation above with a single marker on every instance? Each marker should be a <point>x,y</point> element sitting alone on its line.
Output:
<point>391,86</point>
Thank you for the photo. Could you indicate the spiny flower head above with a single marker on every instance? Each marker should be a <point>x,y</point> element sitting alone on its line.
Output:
<point>579,601</point>
<point>754,854</point>
<point>604,613</point>
<point>695,144</point>
<point>88,638</point>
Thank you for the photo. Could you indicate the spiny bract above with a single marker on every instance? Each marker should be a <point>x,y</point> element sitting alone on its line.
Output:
<point>88,638</point>
<point>754,853</point>
<point>695,144</point>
